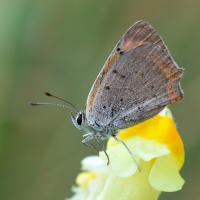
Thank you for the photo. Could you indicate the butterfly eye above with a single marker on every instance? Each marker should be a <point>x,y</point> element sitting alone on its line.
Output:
<point>79,119</point>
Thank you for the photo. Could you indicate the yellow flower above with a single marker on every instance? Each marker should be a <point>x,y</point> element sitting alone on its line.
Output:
<point>91,182</point>
<point>157,149</point>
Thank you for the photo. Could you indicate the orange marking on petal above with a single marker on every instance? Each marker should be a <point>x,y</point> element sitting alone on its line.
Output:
<point>161,129</point>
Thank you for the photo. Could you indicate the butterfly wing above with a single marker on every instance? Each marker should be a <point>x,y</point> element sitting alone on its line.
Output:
<point>137,81</point>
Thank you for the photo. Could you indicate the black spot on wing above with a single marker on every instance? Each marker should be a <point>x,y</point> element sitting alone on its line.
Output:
<point>115,71</point>
<point>120,51</point>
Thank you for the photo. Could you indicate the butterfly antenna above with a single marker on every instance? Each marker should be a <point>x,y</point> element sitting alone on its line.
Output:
<point>51,95</point>
<point>52,104</point>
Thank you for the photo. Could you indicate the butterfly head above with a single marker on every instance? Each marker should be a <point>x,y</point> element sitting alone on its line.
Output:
<point>79,120</point>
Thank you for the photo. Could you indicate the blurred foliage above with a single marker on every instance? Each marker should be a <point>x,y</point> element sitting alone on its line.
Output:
<point>60,46</point>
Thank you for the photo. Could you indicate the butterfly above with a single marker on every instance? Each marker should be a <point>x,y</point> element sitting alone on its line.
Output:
<point>137,81</point>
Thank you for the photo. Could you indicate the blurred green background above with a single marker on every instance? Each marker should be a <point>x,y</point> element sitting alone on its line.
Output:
<point>60,46</point>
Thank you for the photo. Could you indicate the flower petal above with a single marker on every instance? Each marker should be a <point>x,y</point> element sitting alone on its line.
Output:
<point>164,175</point>
<point>149,149</point>
<point>94,163</point>
<point>84,178</point>
<point>135,187</point>
<point>166,112</point>
<point>121,161</point>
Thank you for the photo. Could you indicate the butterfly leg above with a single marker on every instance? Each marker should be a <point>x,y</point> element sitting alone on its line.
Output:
<point>87,135</point>
<point>102,147</point>
<point>118,140</point>
<point>87,143</point>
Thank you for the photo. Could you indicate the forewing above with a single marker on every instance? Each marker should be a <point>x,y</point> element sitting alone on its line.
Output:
<point>137,81</point>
